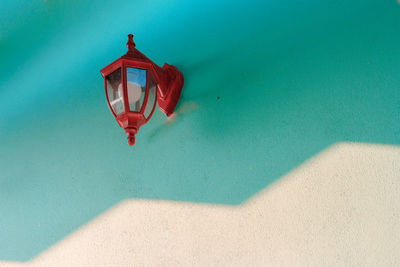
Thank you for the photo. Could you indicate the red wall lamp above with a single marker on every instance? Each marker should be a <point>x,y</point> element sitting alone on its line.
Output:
<point>132,85</point>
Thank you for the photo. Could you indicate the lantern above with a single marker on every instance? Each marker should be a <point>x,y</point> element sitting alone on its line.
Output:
<point>133,84</point>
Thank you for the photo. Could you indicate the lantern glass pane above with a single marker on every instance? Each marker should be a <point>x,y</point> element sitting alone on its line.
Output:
<point>136,85</point>
<point>114,92</point>
<point>151,100</point>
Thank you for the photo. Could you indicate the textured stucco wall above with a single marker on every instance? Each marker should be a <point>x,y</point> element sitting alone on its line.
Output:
<point>268,86</point>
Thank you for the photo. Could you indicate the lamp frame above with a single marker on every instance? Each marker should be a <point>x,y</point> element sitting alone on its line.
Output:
<point>169,83</point>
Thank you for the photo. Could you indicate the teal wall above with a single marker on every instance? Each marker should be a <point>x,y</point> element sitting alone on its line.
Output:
<point>268,84</point>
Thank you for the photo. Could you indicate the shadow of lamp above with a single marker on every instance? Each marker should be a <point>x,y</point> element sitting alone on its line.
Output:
<point>133,84</point>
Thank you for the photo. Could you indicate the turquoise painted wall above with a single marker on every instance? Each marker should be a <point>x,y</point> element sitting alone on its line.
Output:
<point>268,84</point>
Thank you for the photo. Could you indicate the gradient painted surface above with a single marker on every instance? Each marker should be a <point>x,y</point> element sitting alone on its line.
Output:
<point>268,84</point>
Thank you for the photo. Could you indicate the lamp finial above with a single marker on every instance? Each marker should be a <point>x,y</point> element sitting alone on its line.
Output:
<point>130,44</point>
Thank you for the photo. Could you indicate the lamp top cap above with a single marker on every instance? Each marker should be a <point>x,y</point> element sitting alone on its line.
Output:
<point>130,44</point>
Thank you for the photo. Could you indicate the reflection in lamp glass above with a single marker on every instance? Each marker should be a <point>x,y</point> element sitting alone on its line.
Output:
<point>114,92</point>
<point>151,98</point>
<point>136,85</point>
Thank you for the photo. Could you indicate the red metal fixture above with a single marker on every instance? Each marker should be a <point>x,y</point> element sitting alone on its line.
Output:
<point>133,84</point>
